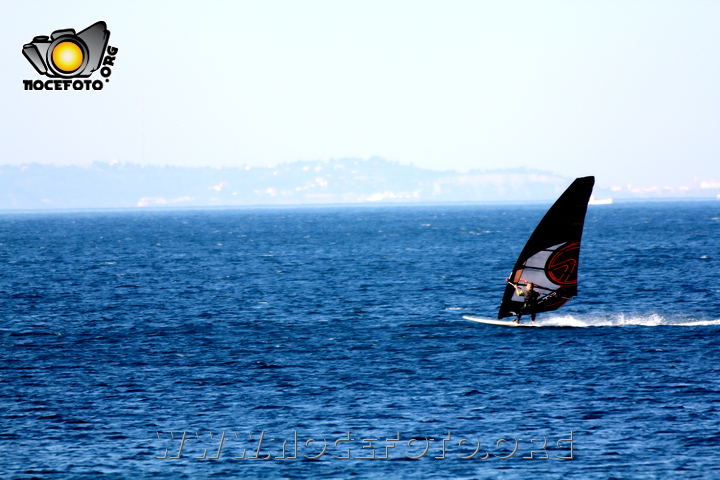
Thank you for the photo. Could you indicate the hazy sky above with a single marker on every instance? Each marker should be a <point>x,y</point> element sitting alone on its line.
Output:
<point>627,90</point>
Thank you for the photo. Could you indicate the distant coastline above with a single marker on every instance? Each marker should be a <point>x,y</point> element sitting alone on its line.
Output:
<point>348,181</point>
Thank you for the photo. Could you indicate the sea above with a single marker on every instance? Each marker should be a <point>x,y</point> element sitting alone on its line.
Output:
<point>329,343</point>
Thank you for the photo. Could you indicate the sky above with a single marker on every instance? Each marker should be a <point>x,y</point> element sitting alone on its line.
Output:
<point>627,91</point>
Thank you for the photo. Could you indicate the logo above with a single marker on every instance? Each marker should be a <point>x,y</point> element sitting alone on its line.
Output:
<point>562,265</point>
<point>68,57</point>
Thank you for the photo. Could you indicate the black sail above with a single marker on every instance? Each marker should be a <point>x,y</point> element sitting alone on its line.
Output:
<point>550,258</point>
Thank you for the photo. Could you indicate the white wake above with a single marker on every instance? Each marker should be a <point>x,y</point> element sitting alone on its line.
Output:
<point>622,321</point>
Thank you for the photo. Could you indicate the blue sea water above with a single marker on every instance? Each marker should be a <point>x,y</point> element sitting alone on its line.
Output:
<point>128,338</point>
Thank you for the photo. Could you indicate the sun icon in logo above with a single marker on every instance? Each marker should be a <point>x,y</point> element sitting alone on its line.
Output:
<point>67,56</point>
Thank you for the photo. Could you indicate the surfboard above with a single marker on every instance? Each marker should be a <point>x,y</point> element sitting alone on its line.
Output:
<point>499,323</point>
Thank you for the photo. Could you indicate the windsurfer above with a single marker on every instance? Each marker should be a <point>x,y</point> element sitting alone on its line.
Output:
<point>531,299</point>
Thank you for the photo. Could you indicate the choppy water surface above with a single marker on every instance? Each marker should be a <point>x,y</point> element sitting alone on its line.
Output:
<point>260,330</point>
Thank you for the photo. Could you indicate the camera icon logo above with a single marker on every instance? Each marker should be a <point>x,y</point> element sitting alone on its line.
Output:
<point>67,54</point>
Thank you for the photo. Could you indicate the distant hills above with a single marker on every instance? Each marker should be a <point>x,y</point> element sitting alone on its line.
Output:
<point>343,181</point>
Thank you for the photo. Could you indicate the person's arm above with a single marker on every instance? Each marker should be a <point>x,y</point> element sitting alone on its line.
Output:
<point>514,285</point>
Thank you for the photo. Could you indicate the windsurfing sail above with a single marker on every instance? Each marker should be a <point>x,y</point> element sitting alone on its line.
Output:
<point>550,258</point>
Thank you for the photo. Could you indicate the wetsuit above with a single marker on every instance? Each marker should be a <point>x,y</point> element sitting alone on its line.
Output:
<point>531,298</point>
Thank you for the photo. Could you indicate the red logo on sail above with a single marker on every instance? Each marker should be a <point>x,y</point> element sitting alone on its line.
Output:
<point>562,265</point>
